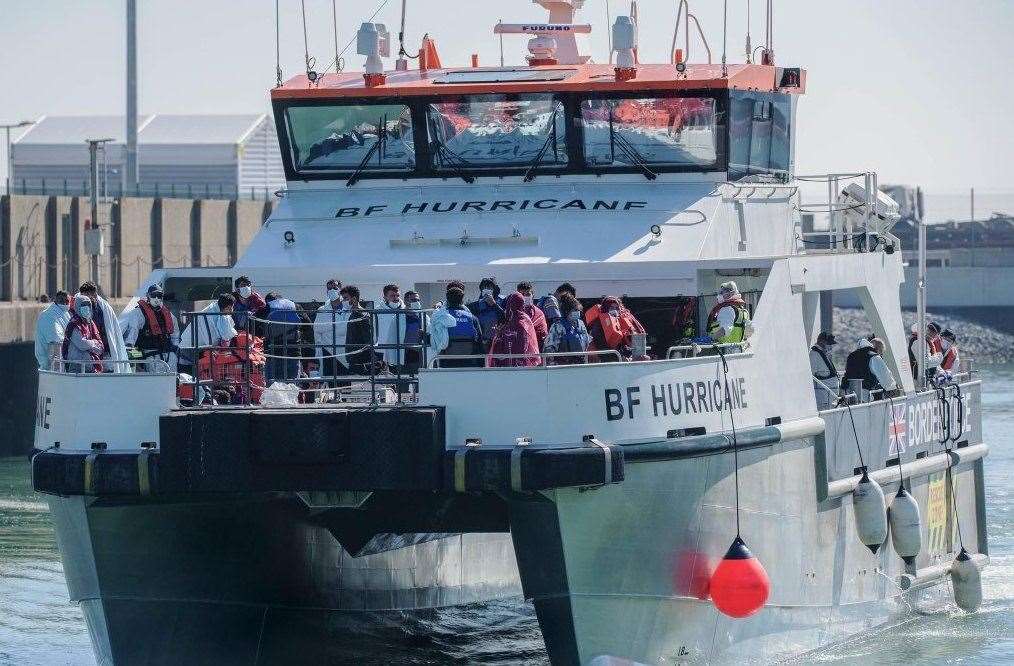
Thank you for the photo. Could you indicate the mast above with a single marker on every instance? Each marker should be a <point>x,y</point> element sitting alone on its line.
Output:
<point>130,168</point>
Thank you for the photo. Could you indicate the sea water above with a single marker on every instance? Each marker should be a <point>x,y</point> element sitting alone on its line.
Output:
<point>38,625</point>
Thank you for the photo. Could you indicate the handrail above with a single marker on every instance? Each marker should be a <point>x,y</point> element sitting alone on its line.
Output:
<point>696,349</point>
<point>434,364</point>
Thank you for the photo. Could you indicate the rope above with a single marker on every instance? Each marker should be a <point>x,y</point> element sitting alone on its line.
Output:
<point>349,43</point>
<point>735,440</point>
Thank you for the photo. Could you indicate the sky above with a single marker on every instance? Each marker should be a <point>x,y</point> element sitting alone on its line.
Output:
<point>914,90</point>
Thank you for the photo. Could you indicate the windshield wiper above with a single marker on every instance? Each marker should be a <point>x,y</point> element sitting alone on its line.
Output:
<point>381,138</point>
<point>634,157</point>
<point>530,173</point>
<point>451,160</point>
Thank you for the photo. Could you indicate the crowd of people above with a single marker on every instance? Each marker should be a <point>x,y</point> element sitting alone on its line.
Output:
<point>347,337</point>
<point>865,366</point>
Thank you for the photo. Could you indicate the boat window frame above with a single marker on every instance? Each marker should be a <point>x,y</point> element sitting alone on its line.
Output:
<point>576,162</point>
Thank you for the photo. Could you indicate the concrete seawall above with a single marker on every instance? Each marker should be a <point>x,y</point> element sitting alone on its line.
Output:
<point>42,240</point>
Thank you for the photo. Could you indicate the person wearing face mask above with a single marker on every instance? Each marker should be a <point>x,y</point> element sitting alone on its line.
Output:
<point>329,328</point>
<point>50,329</point>
<point>109,328</point>
<point>614,328</point>
<point>151,328</point>
<point>534,313</point>
<point>359,334</point>
<point>248,302</point>
<point>729,320</point>
<point>82,345</point>
<point>391,328</point>
<point>568,334</point>
<point>489,309</point>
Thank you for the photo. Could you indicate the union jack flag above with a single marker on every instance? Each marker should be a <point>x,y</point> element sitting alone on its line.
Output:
<point>897,429</point>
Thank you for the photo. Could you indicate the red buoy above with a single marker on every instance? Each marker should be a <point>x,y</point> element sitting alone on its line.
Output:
<point>739,586</point>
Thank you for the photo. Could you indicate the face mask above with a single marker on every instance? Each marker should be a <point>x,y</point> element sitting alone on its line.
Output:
<point>487,292</point>
<point>415,305</point>
<point>529,300</point>
<point>86,312</point>
<point>155,302</point>
<point>245,291</point>
<point>333,295</point>
<point>613,312</point>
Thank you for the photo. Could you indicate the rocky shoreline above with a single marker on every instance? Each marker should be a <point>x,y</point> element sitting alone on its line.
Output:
<point>980,343</point>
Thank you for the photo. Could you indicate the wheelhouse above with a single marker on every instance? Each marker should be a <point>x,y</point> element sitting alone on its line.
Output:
<point>532,121</point>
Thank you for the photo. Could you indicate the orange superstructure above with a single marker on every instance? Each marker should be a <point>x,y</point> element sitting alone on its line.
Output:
<point>567,78</point>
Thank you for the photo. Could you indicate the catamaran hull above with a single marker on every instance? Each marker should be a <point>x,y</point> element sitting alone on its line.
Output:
<point>614,572</point>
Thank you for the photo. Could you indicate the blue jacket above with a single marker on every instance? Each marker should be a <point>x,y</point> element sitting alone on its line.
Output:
<point>488,315</point>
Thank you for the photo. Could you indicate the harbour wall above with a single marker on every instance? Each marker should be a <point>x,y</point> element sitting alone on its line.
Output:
<point>42,247</point>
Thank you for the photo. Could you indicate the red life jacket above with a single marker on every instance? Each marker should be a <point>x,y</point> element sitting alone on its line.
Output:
<point>158,322</point>
<point>950,358</point>
<point>89,331</point>
<point>734,302</point>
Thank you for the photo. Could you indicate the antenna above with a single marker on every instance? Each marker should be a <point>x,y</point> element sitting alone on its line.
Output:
<point>278,49</point>
<point>749,47</point>
<point>725,26</point>
<point>334,22</point>
<point>310,62</point>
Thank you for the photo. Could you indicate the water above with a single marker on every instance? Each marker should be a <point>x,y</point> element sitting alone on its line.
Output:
<point>38,625</point>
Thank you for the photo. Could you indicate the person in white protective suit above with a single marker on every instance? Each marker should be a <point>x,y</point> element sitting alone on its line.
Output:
<point>330,324</point>
<point>109,328</point>
<point>215,327</point>
<point>50,329</point>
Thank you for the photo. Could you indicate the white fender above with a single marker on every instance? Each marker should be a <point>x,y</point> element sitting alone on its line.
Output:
<point>966,582</point>
<point>906,525</point>
<point>870,511</point>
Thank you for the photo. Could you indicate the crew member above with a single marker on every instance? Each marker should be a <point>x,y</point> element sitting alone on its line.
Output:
<point>50,329</point>
<point>489,309</point>
<point>949,347</point>
<point>729,320</point>
<point>866,363</point>
<point>151,328</point>
<point>821,365</point>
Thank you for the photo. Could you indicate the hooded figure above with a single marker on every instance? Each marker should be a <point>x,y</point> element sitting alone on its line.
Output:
<point>50,329</point>
<point>83,341</point>
<point>516,335</point>
<point>109,329</point>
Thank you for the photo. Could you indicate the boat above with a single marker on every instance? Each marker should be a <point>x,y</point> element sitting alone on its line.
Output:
<point>699,500</point>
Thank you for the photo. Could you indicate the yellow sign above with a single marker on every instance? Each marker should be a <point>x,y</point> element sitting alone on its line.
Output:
<point>936,515</point>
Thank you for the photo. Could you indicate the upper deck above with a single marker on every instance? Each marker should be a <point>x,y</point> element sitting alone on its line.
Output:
<point>586,78</point>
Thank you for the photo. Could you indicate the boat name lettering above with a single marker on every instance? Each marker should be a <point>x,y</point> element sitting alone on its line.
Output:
<point>674,399</point>
<point>508,205</point>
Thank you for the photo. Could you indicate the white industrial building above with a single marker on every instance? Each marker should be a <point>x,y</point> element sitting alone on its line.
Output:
<point>224,156</point>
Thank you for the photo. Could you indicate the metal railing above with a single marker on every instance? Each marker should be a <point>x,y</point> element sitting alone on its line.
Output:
<point>73,188</point>
<point>148,366</point>
<point>542,356</point>
<point>693,350</point>
<point>846,232</point>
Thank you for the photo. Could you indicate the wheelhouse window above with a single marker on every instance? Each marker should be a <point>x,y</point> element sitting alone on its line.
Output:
<point>497,132</point>
<point>352,138</point>
<point>760,134</point>
<point>662,131</point>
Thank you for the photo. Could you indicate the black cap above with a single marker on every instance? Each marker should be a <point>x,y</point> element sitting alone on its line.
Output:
<point>242,279</point>
<point>827,338</point>
<point>156,291</point>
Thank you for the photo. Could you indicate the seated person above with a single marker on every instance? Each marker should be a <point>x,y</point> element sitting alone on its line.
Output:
<point>465,336</point>
<point>614,327</point>
<point>514,337</point>
<point>568,334</point>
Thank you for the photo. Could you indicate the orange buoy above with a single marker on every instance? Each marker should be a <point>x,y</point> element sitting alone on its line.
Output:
<point>740,586</point>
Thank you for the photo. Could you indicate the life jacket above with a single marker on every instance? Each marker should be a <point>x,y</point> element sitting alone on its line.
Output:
<point>157,331</point>
<point>684,320</point>
<point>488,315</point>
<point>857,366</point>
<point>827,362</point>
<point>464,329</point>
<point>738,327</point>
<point>950,358</point>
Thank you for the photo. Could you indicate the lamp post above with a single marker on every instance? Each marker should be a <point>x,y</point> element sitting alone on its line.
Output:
<point>10,161</point>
